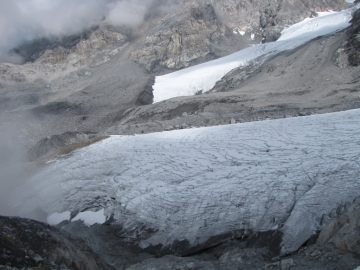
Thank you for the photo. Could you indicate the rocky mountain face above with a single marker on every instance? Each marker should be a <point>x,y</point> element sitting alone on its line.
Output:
<point>99,82</point>
<point>34,245</point>
<point>88,82</point>
<point>353,42</point>
<point>179,34</point>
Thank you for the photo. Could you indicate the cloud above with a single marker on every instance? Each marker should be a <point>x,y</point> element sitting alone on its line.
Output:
<point>129,13</point>
<point>11,163</point>
<point>25,20</point>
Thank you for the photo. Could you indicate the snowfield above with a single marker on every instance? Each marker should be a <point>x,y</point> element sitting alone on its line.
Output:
<point>203,77</point>
<point>190,185</point>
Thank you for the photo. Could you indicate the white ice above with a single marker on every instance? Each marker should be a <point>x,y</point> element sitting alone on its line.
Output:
<point>196,183</point>
<point>90,218</point>
<point>203,77</point>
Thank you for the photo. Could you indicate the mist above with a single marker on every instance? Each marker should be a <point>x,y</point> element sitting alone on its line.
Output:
<point>19,194</point>
<point>128,13</point>
<point>23,21</point>
<point>26,20</point>
<point>12,164</point>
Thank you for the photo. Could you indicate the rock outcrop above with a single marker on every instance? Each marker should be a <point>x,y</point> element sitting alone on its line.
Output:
<point>209,30</point>
<point>177,43</point>
<point>353,42</point>
<point>28,244</point>
<point>343,231</point>
<point>55,142</point>
<point>266,19</point>
<point>35,245</point>
<point>177,35</point>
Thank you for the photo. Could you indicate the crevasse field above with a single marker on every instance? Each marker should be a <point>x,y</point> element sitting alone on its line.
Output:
<point>196,183</point>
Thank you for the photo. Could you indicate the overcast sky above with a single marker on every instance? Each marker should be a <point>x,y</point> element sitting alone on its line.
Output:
<point>22,20</point>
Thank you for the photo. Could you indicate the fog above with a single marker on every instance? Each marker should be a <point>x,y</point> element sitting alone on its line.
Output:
<point>128,13</point>
<point>12,164</point>
<point>25,20</point>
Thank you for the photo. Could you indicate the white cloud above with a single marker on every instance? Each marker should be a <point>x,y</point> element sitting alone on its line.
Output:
<point>129,13</point>
<point>23,20</point>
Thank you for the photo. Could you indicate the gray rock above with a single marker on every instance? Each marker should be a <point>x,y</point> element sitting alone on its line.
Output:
<point>34,243</point>
<point>286,264</point>
<point>343,231</point>
<point>168,128</point>
<point>37,258</point>
<point>353,43</point>
<point>209,28</point>
<point>184,126</point>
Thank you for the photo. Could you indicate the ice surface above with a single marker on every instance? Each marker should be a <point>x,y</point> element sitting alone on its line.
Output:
<point>324,24</point>
<point>90,218</point>
<point>203,77</point>
<point>196,183</point>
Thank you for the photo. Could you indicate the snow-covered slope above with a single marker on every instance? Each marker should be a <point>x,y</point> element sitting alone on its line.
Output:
<point>203,77</point>
<point>190,185</point>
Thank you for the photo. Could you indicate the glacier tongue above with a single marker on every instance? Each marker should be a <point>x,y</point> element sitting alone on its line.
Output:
<point>191,185</point>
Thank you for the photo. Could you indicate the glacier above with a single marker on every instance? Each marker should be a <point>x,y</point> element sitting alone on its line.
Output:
<point>203,77</point>
<point>191,185</point>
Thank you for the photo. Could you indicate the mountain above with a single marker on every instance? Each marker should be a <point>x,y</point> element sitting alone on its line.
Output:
<point>89,82</point>
<point>34,245</point>
<point>238,196</point>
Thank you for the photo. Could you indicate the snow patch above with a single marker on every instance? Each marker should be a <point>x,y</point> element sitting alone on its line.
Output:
<point>90,218</point>
<point>203,77</point>
<point>325,23</point>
